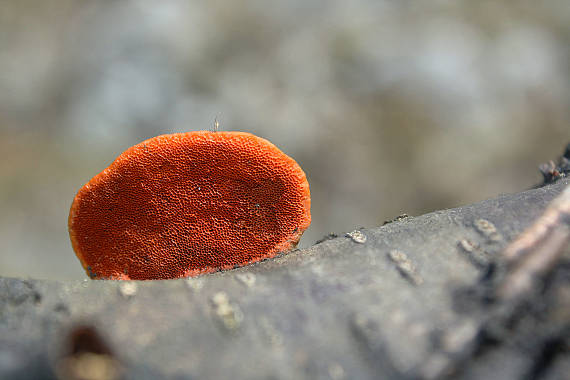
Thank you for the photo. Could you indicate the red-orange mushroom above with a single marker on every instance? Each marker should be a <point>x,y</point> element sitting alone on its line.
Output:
<point>184,204</point>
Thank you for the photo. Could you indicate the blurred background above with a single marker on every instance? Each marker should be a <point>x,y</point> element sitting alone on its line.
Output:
<point>390,107</point>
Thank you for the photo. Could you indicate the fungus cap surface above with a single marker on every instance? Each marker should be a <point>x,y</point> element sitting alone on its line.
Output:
<point>184,204</point>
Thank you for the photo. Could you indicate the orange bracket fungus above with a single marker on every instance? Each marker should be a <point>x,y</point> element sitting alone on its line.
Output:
<point>185,204</point>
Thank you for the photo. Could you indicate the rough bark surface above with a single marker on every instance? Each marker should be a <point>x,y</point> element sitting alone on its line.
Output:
<point>404,300</point>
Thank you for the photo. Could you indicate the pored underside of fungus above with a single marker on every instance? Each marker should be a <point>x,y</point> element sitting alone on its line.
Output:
<point>185,204</point>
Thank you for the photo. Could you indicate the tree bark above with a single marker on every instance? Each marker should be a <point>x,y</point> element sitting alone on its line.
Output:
<point>411,299</point>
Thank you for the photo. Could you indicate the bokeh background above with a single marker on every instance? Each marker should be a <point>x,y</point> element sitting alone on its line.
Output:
<point>389,106</point>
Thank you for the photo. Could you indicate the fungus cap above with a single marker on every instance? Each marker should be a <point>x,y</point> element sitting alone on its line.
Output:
<point>184,204</point>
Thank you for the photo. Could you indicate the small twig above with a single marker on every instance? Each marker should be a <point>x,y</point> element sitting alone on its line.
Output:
<point>535,252</point>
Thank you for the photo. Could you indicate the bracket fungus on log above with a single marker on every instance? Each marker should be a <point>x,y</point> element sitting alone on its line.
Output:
<point>185,204</point>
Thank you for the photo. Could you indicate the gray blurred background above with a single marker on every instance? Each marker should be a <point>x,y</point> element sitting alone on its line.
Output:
<point>388,106</point>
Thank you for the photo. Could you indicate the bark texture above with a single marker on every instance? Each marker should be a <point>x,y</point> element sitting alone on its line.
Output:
<point>410,299</point>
